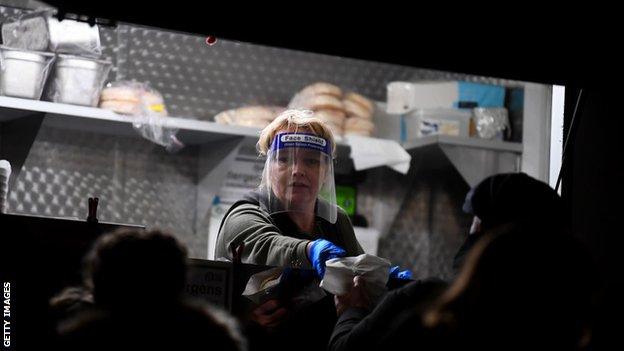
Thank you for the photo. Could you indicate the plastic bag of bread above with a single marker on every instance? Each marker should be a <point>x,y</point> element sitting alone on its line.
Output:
<point>132,98</point>
<point>151,124</point>
<point>249,116</point>
<point>122,97</point>
<point>147,106</point>
<point>158,130</point>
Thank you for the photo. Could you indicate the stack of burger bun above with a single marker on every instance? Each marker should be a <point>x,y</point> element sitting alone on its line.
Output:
<point>359,115</point>
<point>344,113</point>
<point>326,101</point>
<point>249,116</point>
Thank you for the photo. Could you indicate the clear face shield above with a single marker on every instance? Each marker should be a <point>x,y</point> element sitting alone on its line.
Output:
<point>299,175</point>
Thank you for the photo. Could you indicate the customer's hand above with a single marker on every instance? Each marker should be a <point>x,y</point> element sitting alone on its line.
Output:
<point>269,314</point>
<point>355,298</point>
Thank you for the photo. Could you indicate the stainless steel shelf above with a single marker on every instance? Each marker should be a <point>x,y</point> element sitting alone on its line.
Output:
<point>475,159</point>
<point>196,132</point>
<point>492,145</point>
<point>93,119</point>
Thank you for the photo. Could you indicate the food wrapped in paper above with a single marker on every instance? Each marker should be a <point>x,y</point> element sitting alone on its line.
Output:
<point>339,274</point>
<point>297,288</point>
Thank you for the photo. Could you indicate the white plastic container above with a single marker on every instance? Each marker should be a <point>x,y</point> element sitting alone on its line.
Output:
<point>23,73</point>
<point>41,31</point>
<point>30,32</point>
<point>423,122</point>
<point>73,37</point>
<point>400,97</point>
<point>78,80</point>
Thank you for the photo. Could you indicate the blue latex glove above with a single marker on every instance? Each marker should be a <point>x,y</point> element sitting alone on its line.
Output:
<point>395,272</point>
<point>322,250</point>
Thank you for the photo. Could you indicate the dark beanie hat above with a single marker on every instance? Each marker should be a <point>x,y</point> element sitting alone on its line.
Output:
<point>513,197</point>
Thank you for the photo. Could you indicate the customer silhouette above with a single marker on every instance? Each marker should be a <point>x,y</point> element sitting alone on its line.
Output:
<point>137,279</point>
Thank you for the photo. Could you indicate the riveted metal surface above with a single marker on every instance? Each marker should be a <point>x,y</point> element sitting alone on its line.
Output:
<point>430,225</point>
<point>139,182</point>
<point>200,80</point>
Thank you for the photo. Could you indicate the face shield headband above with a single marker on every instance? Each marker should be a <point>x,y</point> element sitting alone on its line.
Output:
<point>299,175</point>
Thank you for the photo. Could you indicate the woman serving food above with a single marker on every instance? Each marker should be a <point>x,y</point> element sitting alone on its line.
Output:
<point>292,218</point>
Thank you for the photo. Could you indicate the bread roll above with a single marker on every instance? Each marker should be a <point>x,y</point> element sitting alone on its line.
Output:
<point>253,123</point>
<point>254,113</point>
<point>361,100</point>
<point>121,94</point>
<point>354,109</point>
<point>321,88</point>
<point>336,117</point>
<point>249,116</point>
<point>358,132</point>
<point>225,117</point>
<point>336,130</point>
<point>149,97</point>
<point>123,107</point>
<point>322,102</point>
<point>358,124</point>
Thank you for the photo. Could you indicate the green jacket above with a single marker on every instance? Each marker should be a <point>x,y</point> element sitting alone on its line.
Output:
<point>275,240</point>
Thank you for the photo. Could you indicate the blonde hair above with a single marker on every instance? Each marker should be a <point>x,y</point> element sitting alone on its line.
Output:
<point>295,120</point>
